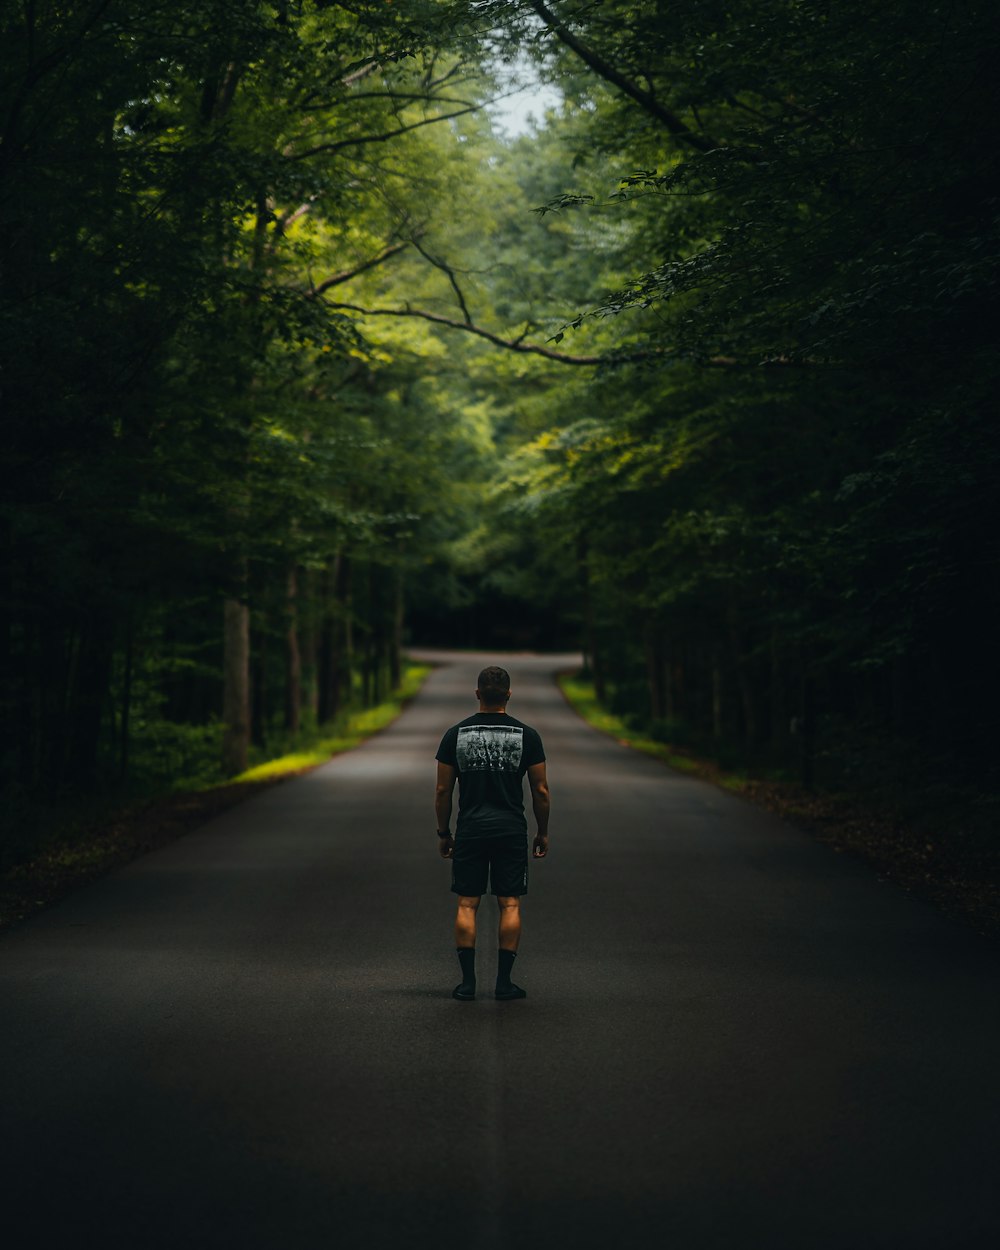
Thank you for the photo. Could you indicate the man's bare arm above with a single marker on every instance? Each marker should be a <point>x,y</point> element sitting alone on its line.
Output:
<point>443,791</point>
<point>540,806</point>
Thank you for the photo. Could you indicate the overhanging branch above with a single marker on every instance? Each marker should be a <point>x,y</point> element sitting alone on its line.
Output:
<point>346,274</point>
<point>381,138</point>
<point>632,89</point>
<point>513,345</point>
<point>563,358</point>
<point>447,269</point>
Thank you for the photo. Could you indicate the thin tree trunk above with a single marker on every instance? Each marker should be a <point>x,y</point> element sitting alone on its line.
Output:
<point>236,687</point>
<point>126,707</point>
<point>329,660</point>
<point>743,680</point>
<point>376,648</point>
<point>597,673</point>
<point>716,698</point>
<point>309,643</point>
<point>586,604</point>
<point>333,640</point>
<point>346,600</point>
<point>260,708</point>
<point>654,671</point>
<point>678,689</point>
<point>293,657</point>
<point>92,680</point>
<point>396,642</point>
<point>776,699</point>
<point>807,727</point>
<point>368,657</point>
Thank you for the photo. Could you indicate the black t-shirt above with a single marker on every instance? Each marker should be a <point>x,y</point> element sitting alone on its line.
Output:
<point>491,752</point>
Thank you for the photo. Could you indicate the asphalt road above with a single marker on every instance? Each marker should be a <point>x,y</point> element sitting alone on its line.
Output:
<point>732,1036</point>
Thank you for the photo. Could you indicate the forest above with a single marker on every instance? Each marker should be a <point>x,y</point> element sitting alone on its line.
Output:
<point>307,358</point>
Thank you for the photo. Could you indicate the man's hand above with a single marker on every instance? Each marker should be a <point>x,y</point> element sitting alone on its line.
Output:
<point>446,846</point>
<point>540,846</point>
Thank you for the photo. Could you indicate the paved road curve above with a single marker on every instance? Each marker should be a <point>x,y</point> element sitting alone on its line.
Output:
<point>733,1036</point>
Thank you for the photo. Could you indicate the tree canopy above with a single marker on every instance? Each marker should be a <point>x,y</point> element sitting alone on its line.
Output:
<point>304,358</point>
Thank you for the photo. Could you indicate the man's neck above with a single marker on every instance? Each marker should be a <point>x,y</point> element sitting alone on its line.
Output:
<point>495,711</point>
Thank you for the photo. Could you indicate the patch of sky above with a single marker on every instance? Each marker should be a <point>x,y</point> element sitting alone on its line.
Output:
<point>522,99</point>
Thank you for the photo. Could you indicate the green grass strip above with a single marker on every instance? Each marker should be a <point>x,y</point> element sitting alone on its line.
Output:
<point>358,727</point>
<point>581,697</point>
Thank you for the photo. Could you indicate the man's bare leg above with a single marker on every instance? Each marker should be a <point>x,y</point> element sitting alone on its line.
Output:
<point>465,941</point>
<point>510,922</point>
<point>510,935</point>
<point>465,921</point>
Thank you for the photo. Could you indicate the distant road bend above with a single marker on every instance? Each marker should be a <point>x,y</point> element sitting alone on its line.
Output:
<point>732,1036</point>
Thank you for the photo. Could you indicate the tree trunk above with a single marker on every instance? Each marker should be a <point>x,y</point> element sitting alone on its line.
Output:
<point>54,663</point>
<point>375,642</point>
<point>336,649</point>
<point>743,681</point>
<point>778,713</point>
<point>368,654</point>
<point>346,599</point>
<point>678,688</point>
<point>329,659</point>
<point>396,642</point>
<point>807,727</point>
<point>587,609</point>
<point>716,698</point>
<point>236,687</point>
<point>597,674</point>
<point>260,708</point>
<point>293,657</point>
<point>309,643</point>
<point>126,707</point>
<point>91,686</point>
<point>654,671</point>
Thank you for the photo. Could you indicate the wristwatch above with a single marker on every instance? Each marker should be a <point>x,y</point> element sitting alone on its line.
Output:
<point>446,834</point>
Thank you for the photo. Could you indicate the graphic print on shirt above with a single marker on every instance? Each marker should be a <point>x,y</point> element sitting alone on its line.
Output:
<point>492,748</point>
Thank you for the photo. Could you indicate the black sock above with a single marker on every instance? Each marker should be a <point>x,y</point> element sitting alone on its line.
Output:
<point>467,958</point>
<point>505,965</point>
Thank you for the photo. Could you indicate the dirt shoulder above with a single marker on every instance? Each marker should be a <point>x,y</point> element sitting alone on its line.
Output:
<point>112,842</point>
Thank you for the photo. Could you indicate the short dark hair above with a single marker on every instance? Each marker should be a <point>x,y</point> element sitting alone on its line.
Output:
<point>493,683</point>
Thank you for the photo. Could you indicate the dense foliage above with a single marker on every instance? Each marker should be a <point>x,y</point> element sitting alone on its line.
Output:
<point>210,487</point>
<point>785,510</point>
<point>302,357</point>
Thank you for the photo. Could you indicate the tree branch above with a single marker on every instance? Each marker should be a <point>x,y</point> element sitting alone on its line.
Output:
<point>439,264</point>
<point>513,345</point>
<point>563,358</point>
<point>346,274</point>
<point>608,72</point>
<point>389,134</point>
<point>384,95</point>
<point>361,72</point>
<point>294,214</point>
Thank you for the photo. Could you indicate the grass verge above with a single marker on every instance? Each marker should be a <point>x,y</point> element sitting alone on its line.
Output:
<point>947,854</point>
<point>87,850</point>
<point>358,727</point>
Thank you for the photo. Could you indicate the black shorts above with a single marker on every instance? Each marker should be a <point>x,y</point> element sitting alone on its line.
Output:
<point>504,859</point>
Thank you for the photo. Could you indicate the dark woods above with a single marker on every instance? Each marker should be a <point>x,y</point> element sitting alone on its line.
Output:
<point>767,512</point>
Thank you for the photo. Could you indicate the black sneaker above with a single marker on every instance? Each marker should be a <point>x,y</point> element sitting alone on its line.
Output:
<point>507,992</point>
<point>465,993</point>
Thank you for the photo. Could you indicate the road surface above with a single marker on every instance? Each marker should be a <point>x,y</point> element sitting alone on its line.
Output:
<point>732,1036</point>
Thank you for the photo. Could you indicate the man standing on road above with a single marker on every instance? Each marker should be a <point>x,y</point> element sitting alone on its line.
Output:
<point>489,755</point>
